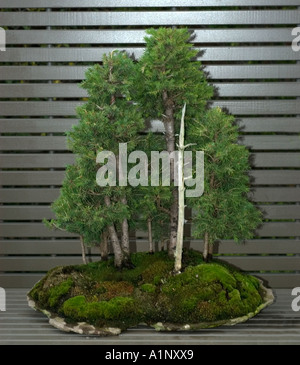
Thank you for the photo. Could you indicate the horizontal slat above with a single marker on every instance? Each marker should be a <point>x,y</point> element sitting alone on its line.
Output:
<point>38,108</point>
<point>41,91</point>
<point>250,35</point>
<point>25,213</point>
<point>16,212</point>
<point>283,159</point>
<point>259,177</point>
<point>35,125</point>
<point>275,177</point>
<point>269,229</point>
<point>19,280</point>
<point>32,263</point>
<point>260,107</point>
<point>280,211</point>
<point>33,143</point>
<point>24,161</point>
<point>148,18</point>
<point>68,108</point>
<point>265,263</point>
<point>44,195</point>
<point>139,3</point>
<point>262,89</point>
<point>42,72</point>
<point>72,246</point>
<point>28,195</point>
<point>17,178</point>
<point>253,71</point>
<point>276,194</point>
<point>61,125</point>
<point>60,143</point>
<point>285,125</point>
<point>77,54</point>
<point>215,72</point>
<point>42,247</point>
<point>281,280</point>
<point>33,230</point>
<point>257,246</point>
<point>279,229</point>
<point>271,142</point>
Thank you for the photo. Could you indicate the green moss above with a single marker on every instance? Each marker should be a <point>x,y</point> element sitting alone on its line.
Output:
<point>57,292</point>
<point>116,309</point>
<point>157,271</point>
<point>148,288</point>
<point>99,294</point>
<point>208,292</point>
<point>74,308</point>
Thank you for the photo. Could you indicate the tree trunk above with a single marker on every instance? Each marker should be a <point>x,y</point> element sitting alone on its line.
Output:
<point>169,124</point>
<point>104,246</point>
<point>125,233</point>
<point>181,204</point>
<point>150,239</point>
<point>118,252</point>
<point>206,247</point>
<point>83,250</point>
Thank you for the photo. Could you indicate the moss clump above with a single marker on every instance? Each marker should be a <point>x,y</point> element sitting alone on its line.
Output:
<point>148,288</point>
<point>208,292</point>
<point>157,271</point>
<point>99,294</point>
<point>57,292</point>
<point>118,310</point>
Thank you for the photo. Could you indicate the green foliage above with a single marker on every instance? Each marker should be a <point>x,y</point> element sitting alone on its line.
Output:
<point>75,208</point>
<point>121,95</point>
<point>168,65</point>
<point>224,211</point>
<point>108,118</point>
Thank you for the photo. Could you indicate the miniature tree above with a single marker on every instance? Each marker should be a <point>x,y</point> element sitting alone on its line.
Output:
<point>167,79</point>
<point>224,211</point>
<point>75,212</point>
<point>107,119</point>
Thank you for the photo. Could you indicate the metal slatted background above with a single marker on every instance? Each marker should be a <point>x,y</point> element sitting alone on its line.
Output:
<point>248,55</point>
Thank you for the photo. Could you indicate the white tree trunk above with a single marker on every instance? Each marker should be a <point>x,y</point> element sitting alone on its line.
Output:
<point>83,250</point>
<point>206,247</point>
<point>181,203</point>
<point>149,222</point>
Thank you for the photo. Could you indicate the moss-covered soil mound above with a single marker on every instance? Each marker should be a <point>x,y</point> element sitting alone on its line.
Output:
<point>98,299</point>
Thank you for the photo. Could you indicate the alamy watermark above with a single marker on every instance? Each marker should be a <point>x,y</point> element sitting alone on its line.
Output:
<point>156,172</point>
<point>296,301</point>
<point>2,39</point>
<point>296,41</point>
<point>2,300</point>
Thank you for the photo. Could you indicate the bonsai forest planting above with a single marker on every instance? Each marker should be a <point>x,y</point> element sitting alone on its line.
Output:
<point>128,177</point>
